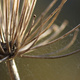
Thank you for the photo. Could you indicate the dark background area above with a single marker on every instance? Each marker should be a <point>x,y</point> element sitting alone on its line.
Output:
<point>70,11</point>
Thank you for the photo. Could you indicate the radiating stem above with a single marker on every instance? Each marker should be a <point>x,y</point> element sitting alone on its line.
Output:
<point>12,70</point>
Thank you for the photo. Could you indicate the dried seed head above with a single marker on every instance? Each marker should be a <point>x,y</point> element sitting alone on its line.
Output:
<point>17,36</point>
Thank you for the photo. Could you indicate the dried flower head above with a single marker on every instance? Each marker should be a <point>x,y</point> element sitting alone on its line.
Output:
<point>18,37</point>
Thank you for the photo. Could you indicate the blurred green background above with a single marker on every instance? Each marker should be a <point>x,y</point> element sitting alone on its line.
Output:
<point>59,69</point>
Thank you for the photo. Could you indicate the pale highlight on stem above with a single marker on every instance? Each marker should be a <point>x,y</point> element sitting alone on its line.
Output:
<point>13,70</point>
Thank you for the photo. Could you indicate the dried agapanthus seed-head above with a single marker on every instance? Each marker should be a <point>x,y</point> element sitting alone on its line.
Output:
<point>18,37</point>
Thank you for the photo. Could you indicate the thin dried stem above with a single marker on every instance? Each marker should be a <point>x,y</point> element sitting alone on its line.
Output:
<point>50,57</point>
<point>4,59</point>
<point>7,27</point>
<point>33,21</point>
<point>1,22</point>
<point>31,44</point>
<point>42,15</point>
<point>45,12</point>
<point>60,38</point>
<point>12,15</point>
<point>3,19</point>
<point>1,49</point>
<point>54,12</point>
<point>67,46</point>
<point>57,30</point>
<point>2,32</point>
<point>28,17</point>
<point>16,8</point>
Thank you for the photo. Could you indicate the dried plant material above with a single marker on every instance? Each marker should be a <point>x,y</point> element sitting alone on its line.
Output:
<point>17,37</point>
